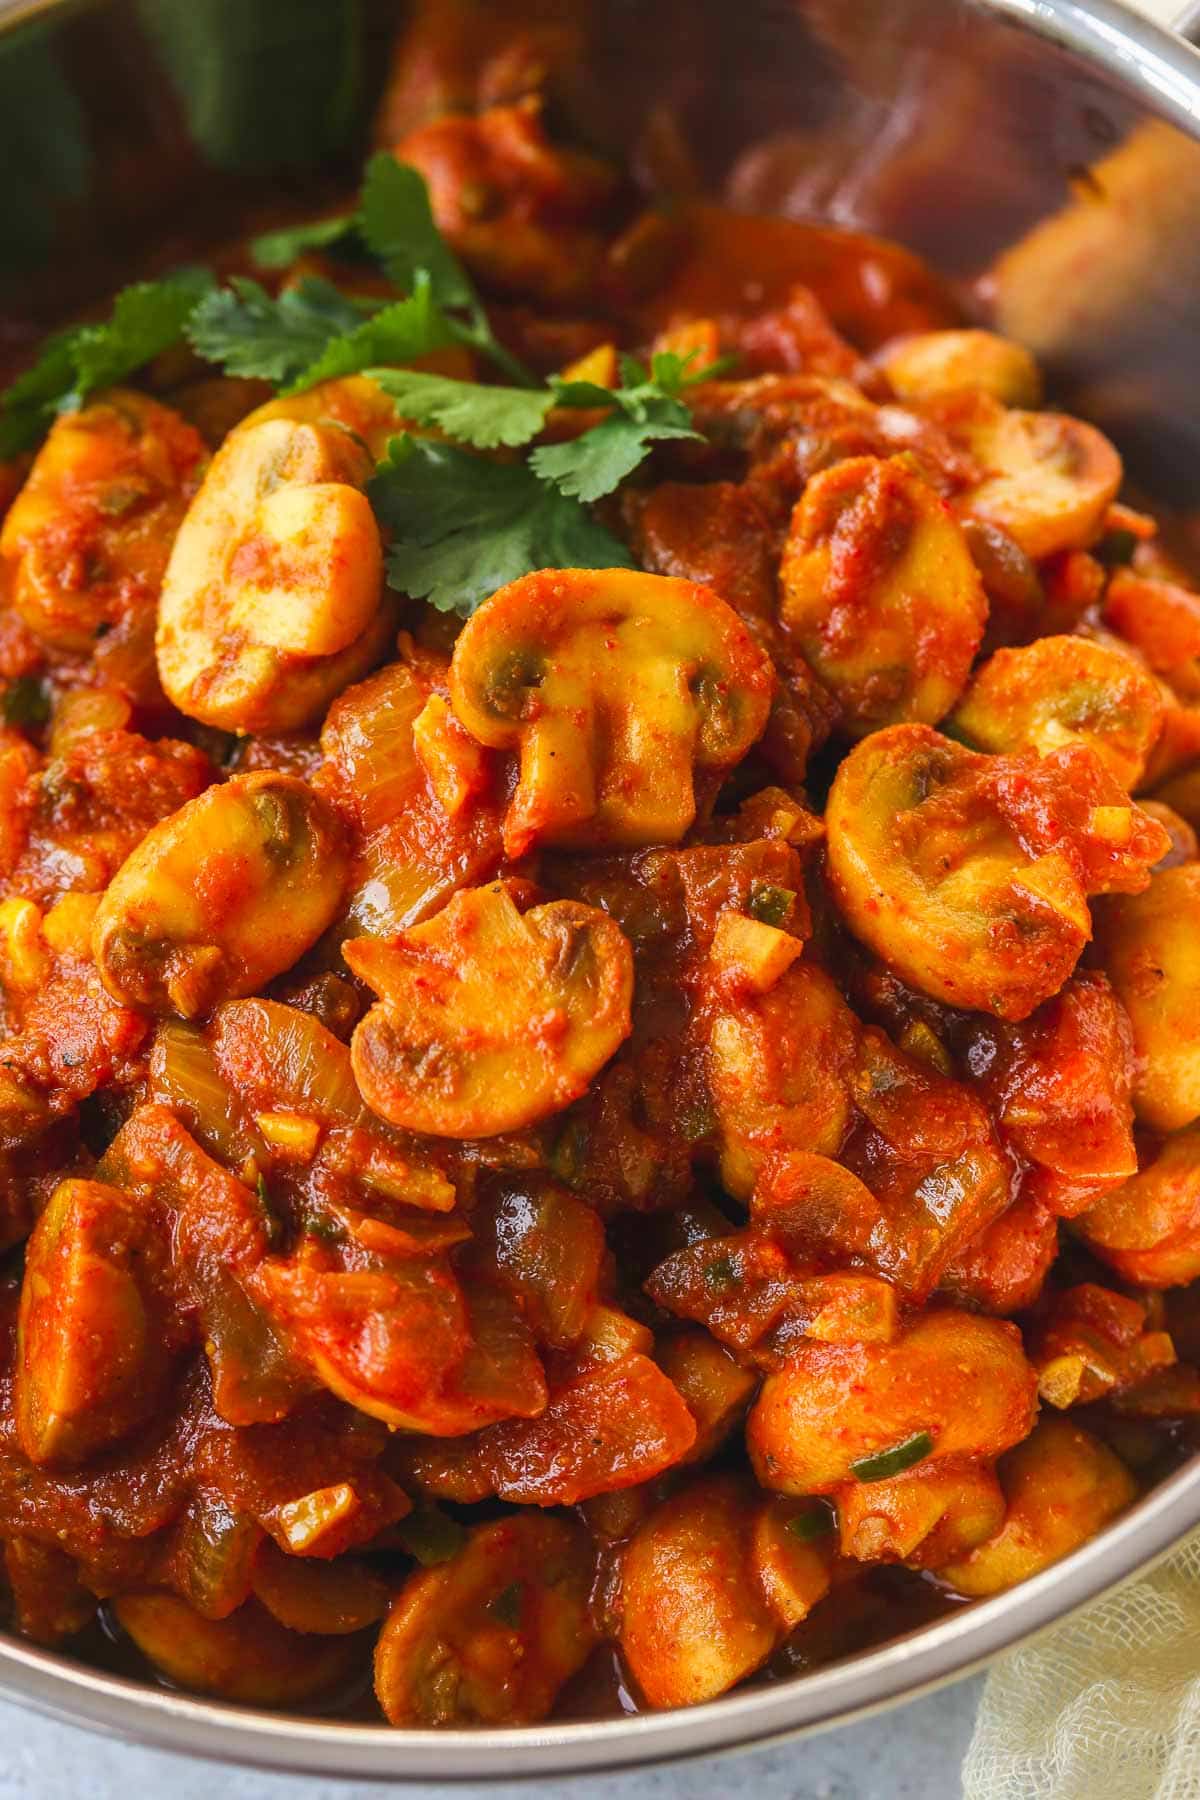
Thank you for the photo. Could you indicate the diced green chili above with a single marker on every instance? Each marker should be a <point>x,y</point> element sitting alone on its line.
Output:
<point>806,1526</point>
<point>886,1463</point>
<point>770,905</point>
<point>273,1222</point>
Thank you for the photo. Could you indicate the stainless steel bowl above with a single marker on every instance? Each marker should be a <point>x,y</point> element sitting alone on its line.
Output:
<point>130,127</point>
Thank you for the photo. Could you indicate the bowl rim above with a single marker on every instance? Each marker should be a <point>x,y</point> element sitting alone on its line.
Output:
<point>903,1669</point>
<point>1164,71</point>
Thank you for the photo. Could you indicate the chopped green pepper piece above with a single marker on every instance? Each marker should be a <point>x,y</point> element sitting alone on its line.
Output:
<point>886,1463</point>
<point>770,905</point>
<point>273,1222</point>
<point>809,1525</point>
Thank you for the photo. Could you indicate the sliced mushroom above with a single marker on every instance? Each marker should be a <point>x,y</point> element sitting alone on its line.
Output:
<point>87,539</point>
<point>949,362</point>
<point>1148,1229</point>
<point>778,1069</point>
<point>922,1517</point>
<point>970,874</point>
<point>1061,1486</point>
<point>1149,945</point>
<point>1048,478</point>
<point>226,893</point>
<point>711,1583</point>
<point>318,1598</point>
<point>489,1018</point>
<point>490,1636</point>
<point>614,687</point>
<point>1065,690</point>
<point>248,1656</point>
<point>881,592</point>
<point>951,1385</point>
<point>352,403</point>
<point>90,1366</point>
<point>273,597</point>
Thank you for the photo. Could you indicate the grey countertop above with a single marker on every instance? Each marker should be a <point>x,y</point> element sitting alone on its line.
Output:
<point>911,1753</point>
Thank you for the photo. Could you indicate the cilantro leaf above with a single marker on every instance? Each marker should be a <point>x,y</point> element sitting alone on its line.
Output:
<point>396,333</point>
<point>29,405</point>
<point>397,225</point>
<point>280,249</point>
<point>468,411</point>
<point>248,333</point>
<point>599,460</point>
<point>145,320</point>
<point>464,526</point>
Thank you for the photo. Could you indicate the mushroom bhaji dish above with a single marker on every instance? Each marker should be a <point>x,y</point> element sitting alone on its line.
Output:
<point>601,1066</point>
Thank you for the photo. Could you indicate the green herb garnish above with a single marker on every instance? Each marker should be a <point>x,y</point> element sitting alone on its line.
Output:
<point>646,408</point>
<point>145,320</point>
<point>770,905</point>
<point>396,222</point>
<point>325,1229</point>
<point>473,413</point>
<point>398,332</point>
<point>247,333</point>
<point>886,1463</point>
<point>280,249</point>
<point>463,526</point>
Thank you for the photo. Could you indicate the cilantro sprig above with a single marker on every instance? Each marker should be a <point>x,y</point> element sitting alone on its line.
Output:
<point>307,333</point>
<point>394,226</point>
<point>280,249</point>
<point>312,332</point>
<point>463,522</point>
<point>468,411</point>
<point>247,333</point>
<point>464,525</point>
<point>145,320</point>
<point>397,225</point>
<point>646,410</point>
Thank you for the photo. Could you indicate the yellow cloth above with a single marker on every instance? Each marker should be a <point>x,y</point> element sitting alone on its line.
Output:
<point>1105,1707</point>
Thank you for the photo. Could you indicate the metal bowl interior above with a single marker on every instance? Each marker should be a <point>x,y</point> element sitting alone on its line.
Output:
<point>131,128</point>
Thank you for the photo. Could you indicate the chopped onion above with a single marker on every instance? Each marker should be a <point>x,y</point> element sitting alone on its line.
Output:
<point>283,1060</point>
<point>184,1074</point>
